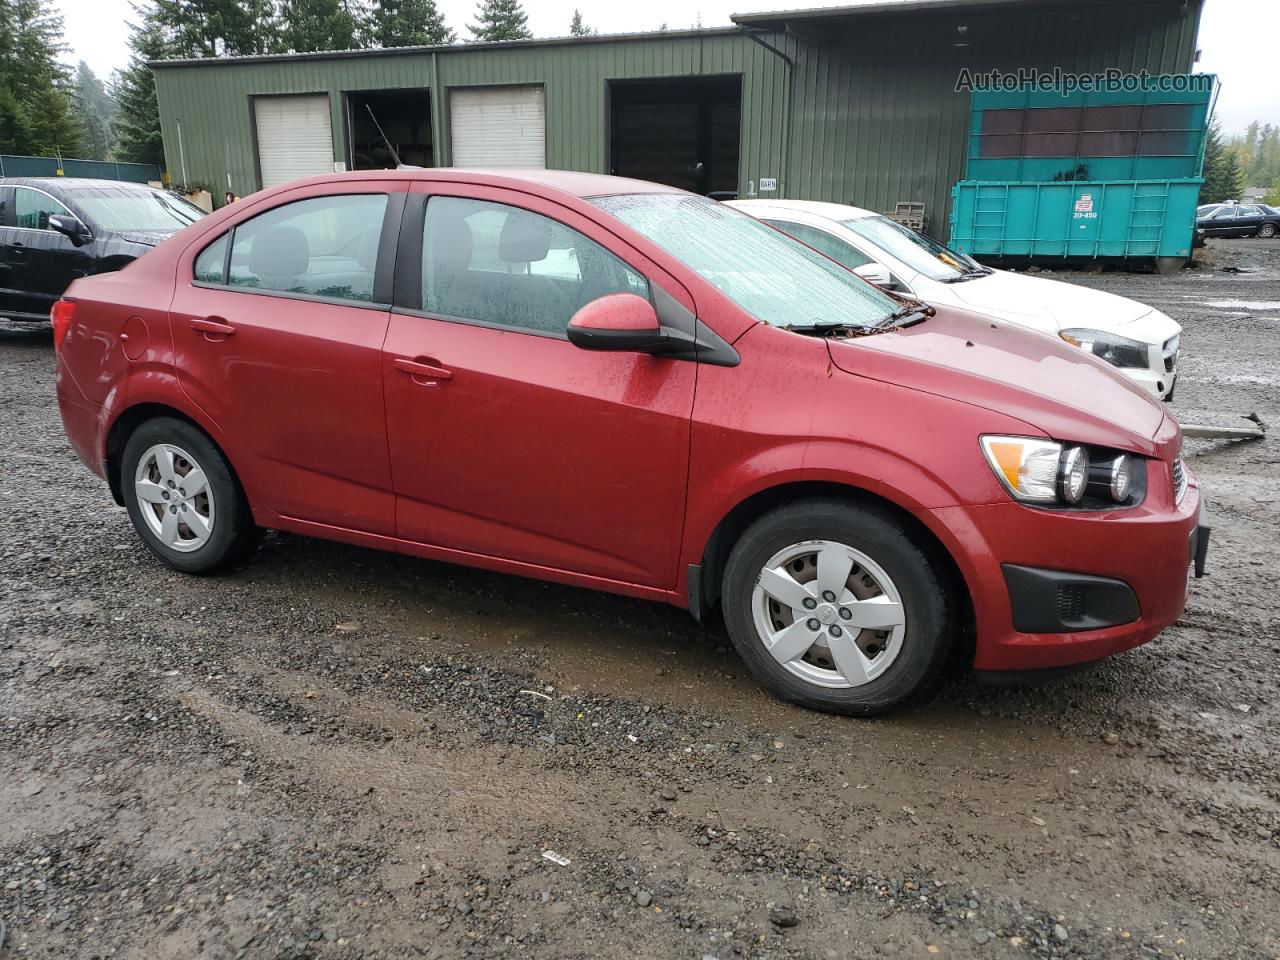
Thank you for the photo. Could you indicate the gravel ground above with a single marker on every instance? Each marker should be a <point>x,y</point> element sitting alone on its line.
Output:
<point>336,753</point>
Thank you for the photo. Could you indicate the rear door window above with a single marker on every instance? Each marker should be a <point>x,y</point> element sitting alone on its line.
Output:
<point>321,247</point>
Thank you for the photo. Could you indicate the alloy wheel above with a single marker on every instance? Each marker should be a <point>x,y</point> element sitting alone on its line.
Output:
<point>174,497</point>
<point>829,614</point>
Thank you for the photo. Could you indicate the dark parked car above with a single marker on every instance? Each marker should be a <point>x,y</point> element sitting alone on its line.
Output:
<point>54,230</point>
<point>1239,220</point>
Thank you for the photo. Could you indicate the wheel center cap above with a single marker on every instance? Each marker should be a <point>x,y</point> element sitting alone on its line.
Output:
<point>827,613</point>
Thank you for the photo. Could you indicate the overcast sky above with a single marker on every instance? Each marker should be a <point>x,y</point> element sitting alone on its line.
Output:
<point>97,31</point>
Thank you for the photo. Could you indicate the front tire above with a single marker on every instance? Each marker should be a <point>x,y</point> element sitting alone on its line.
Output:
<point>183,499</point>
<point>836,607</point>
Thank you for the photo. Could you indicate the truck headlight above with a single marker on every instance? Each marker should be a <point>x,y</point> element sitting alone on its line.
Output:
<point>1116,350</point>
<point>1035,470</point>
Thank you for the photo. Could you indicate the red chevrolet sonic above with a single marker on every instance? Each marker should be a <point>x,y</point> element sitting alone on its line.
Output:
<point>623,386</point>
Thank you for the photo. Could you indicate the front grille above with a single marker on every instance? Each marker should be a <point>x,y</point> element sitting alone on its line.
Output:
<point>1179,480</point>
<point>1170,353</point>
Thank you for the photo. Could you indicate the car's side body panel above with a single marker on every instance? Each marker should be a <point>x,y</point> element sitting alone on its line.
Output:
<point>614,470</point>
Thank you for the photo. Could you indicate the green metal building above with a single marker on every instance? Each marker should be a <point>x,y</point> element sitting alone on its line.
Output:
<point>854,104</point>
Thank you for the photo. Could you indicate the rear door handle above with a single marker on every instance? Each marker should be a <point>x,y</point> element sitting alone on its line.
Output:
<point>213,325</point>
<point>423,369</point>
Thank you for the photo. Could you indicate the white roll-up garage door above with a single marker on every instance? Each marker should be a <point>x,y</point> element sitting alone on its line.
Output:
<point>498,127</point>
<point>294,137</point>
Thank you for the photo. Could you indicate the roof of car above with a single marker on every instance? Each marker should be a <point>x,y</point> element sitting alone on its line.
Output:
<point>814,208</point>
<point>572,182</point>
<point>71,183</point>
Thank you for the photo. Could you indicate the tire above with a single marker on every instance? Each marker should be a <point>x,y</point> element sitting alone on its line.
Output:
<point>202,530</point>
<point>1267,231</point>
<point>888,568</point>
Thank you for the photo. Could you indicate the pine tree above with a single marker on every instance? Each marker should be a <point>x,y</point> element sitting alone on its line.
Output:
<point>1216,187</point>
<point>579,29</point>
<point>309,25</point>
<point>408,23</point>
<point>500,20</point>
<point>94,111</point>
<point>218,28</point>
<point>134,89</point>
<point>35,106</point>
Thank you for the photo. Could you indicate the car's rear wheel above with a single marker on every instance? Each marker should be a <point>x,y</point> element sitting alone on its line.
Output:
<point>835,606</point>
<point>1267,230</point>
<point>183,499</point>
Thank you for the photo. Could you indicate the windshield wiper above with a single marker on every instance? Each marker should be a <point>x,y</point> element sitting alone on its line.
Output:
<point>907,316</point>
<point>968,274</point>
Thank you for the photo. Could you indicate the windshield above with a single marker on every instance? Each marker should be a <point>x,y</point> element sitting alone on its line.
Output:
<point>915,249</point>
<point>763,271</point>
<point>117,209</point>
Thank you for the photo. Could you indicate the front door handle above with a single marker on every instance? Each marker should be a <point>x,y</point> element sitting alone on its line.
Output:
<point>423,369</point>
<point>212,325</point>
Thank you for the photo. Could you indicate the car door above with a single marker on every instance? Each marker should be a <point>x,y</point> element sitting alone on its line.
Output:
<point>1248,219</point>
<point>41,261</point>
<point>8,288</point>
<point>1222,223</point>
<point>506,440</point>
<point>278,326</point>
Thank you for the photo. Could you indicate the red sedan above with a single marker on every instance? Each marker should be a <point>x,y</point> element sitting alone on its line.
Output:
<point>621,386</point>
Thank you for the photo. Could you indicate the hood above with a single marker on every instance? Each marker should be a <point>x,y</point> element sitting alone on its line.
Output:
<point>1067,393</point>
<point>148,238</point>
<point>1051,304</point>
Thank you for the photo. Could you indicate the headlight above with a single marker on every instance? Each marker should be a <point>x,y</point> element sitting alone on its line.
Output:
<point>1117,351</point>
<point>1112,479</point>
<point>1038,471</point>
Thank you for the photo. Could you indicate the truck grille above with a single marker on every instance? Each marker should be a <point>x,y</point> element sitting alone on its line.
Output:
<point>1179,480</point>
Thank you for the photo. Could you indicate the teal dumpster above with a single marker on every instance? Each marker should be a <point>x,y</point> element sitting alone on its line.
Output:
<point>1110,175</point>
<point>1079,220</point>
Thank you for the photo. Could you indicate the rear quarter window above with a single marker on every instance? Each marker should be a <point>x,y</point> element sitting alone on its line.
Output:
<point>211,264</point>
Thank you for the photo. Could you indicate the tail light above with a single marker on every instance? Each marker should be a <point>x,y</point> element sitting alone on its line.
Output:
<point>64,312</point>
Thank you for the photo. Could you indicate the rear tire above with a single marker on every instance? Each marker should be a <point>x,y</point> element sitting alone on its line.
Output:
<point>882,607</point>
<point>1267,231</point>
<point>183,498</point>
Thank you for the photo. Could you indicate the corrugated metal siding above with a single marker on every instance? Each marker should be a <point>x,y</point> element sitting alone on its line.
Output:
<point>211,103</point>
<point>875,117</point>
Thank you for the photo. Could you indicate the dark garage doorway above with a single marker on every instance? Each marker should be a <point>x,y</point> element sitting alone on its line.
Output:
<point>405,118</point>
<point>682,131</point>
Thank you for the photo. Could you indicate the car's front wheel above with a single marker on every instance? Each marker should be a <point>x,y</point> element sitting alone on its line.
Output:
<point>183,499</point>
<point>835,606</point>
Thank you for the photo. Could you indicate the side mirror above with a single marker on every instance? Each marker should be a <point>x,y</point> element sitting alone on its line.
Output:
<point>876,273</point>
<point>618,321</point>
<point>71,226</point>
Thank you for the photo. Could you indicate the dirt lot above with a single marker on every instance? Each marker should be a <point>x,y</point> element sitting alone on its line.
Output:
<point>337,754</point>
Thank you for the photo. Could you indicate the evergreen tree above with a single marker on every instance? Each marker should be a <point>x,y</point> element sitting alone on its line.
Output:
<point>1272,198</point>
<point>134,88</point>
<point>500,20</point>
<point>579,29</point>
<point>1218,185</point>
<point>408,23</point>
<point>309,25</point>
<point>35,106</point>
<point>94,111</point>
<point>218,28</point>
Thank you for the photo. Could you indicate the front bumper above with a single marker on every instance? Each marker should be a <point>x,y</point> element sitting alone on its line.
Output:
<point>1148,549</point>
